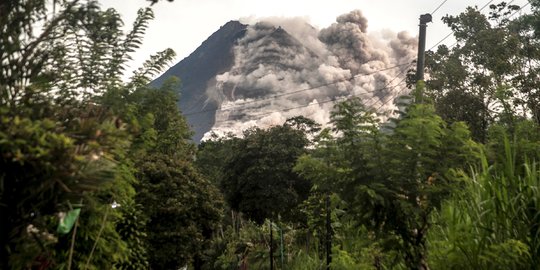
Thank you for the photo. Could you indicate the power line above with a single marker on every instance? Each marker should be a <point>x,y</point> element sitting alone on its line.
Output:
<point>322,102</point>
<point>296,91</point>
<point>400,82</point>
<point>440,41</point>
<point>345,97</point>
<point>511,15</point>
<point>343,80</point>
<point>443,2</point>
<point>386,86</point>
<point>338,81</point>
<point>515,12</point>
<point>450,34</point>
<point>393,97</point>
<point>486,5</point>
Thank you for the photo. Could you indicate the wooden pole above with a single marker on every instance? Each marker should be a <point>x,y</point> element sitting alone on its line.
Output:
<point>424,19</point>
<point>72,247</point>
<point>271,247</point>
<point>328,234</point>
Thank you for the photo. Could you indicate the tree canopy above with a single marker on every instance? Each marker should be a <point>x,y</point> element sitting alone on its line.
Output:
<point>258,178</point>
<point>75,136</point>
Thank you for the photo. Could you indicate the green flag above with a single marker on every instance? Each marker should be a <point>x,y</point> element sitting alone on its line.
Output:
<point>67,222</point>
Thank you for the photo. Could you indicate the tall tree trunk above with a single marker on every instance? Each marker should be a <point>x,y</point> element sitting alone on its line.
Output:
<point>416,253</point>
<point>197,262</point>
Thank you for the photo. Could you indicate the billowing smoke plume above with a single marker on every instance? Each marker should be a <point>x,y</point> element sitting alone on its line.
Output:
<point>286,67</point>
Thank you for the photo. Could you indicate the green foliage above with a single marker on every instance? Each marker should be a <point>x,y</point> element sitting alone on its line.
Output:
<point>47,166</point>
<point>132,228</point>
<point>71,132</point>
<point>258,178</point>
<point>423,154</point>
<point>486,77</point>
<point>178,208</point>
<point>304,124</point>
<point>353,247</point>
<point>304,261</point>
<point>356,247</point>
<point>181,207</point>
<point>395,189</point>
<point>213,155</point>
<point>246,245</point>
<point>343,260</point>
<point>493,224</point>
<point>486,81</point>
<point>152,67</point>
<point>524,142</point>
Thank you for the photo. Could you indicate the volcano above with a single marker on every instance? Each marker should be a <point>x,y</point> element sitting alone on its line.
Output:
<point>261,73</point>
<point>198,70</point>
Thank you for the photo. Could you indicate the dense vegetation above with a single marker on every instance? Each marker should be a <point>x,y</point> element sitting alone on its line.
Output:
<point>74,136</point>
<point>98,173</point>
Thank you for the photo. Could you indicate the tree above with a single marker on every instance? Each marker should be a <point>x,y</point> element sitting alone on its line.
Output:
<point>72,132</point>
<point>182,209</point>
<point>259,180</point>
<point>392,190</point>
<point>58,147</point>
<point>213,155</point>
<point>487,77</point>
<point>493,222</point>
<point>46,170</point>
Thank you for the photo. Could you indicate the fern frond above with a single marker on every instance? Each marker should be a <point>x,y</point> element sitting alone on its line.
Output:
<point>152,67</point>
<point>135,37</point>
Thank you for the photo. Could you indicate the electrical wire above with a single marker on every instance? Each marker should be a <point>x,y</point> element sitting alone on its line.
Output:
<point>400,82</point>
<point>450,34</point>
<point>319,103</point>
<point>393,97</point>
<point>347,79</point>
<point>443,2</point>
<point>511,15</point>
<point>296,91</point>
<point>386,86</point>
<point>440,41</point>
<point>447,36</point>
<point>491,1</point>
<point>520,9</point>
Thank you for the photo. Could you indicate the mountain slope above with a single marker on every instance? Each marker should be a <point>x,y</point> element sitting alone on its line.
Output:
<point>214,56</point>
<point>263,73</point>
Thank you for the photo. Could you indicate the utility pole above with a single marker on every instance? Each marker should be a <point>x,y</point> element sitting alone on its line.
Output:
<point>424,19</point>
<point>328,234</point>
<point>281,242</point>
<point>271,247</point>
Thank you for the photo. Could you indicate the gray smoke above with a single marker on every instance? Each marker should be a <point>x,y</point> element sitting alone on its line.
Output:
<point>281,64</point>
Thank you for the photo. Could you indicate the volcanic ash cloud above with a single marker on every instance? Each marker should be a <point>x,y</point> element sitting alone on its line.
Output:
<point>285,67</point>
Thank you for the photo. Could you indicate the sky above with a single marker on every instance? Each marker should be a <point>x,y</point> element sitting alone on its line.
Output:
<point>184,24</point>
